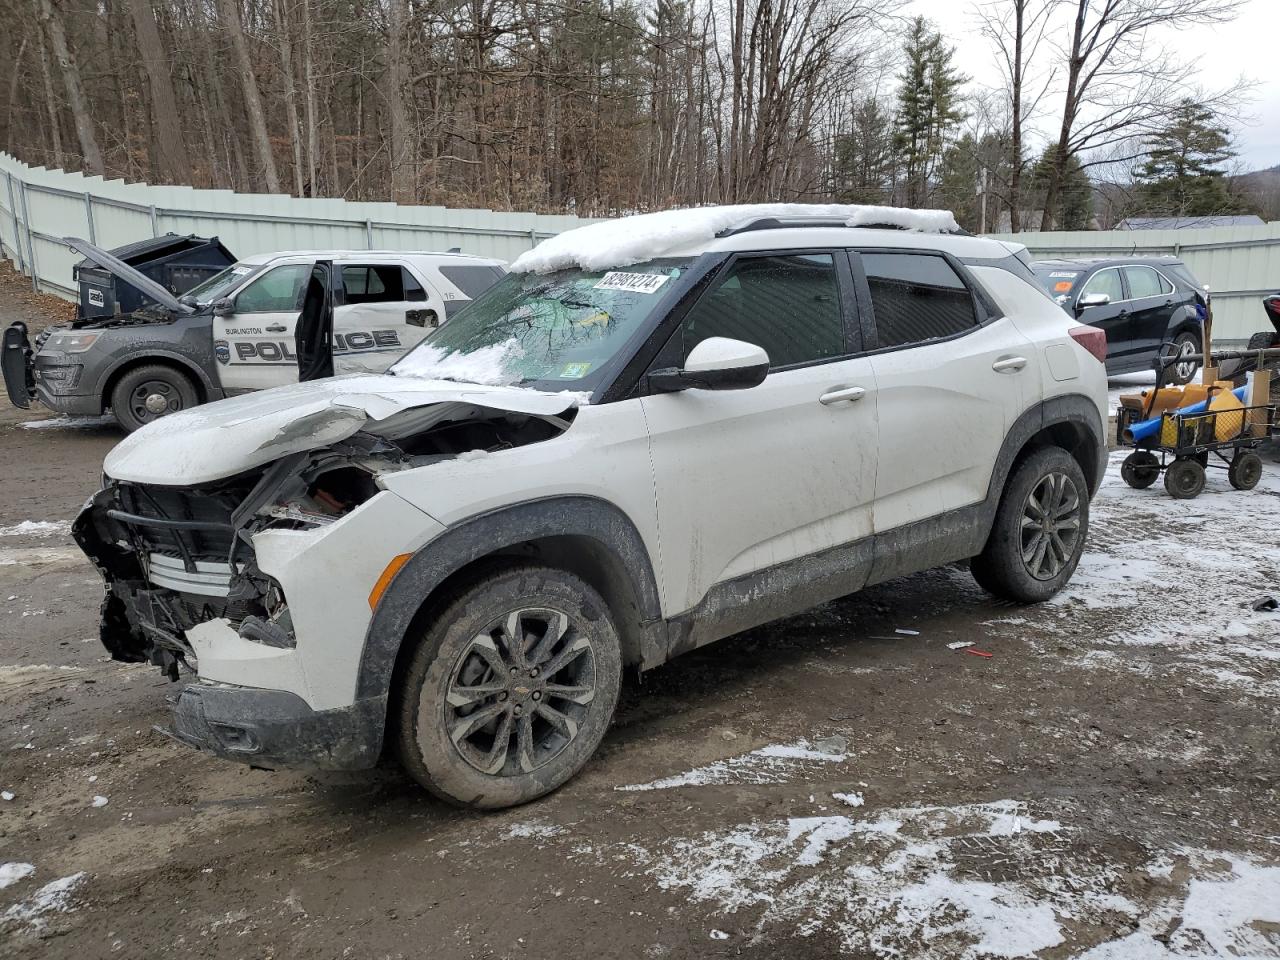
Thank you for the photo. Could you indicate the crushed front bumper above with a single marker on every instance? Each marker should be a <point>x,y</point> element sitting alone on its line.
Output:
<point>275,728</point>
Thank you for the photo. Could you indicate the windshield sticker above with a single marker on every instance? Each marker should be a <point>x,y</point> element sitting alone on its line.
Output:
<point>1062,286</point>
<point>634,282</point>
<point>1068,274</point>
<point>574,371</point>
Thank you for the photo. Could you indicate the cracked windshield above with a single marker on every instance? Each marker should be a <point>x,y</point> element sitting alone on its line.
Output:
<point>558,330</point>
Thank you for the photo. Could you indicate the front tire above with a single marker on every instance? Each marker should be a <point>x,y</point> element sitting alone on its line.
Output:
<point>149,393</point>
<point>1245,470</point>
<point>1184,479</point>
<point>1140,469</point>
<point>1039,531</point>
<point>511,689</point>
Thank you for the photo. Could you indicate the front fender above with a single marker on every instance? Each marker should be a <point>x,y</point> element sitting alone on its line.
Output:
<point>490,533</point>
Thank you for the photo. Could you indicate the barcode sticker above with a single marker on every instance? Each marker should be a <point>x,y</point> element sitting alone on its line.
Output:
<point>634,282</point>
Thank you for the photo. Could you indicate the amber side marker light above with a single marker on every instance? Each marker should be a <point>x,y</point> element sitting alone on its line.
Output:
<point>384,581</point>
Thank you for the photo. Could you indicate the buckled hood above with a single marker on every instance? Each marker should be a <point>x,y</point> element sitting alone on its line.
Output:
<point>231,436</point>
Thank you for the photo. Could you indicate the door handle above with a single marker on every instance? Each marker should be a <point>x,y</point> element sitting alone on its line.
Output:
<point>841,394</point>
<point>276,328</point>
<point>1009,364</point>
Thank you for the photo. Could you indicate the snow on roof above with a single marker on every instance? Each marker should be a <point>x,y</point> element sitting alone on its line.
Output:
<point>628,240</point>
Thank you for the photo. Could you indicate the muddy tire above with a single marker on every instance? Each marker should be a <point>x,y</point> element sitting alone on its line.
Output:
<point>1140,469</point>
<point>488,723</point>
<point>149,393</point>
<point>1039,531</point>
<point>1184,479</point>
<point>1184,344</point>
<point>1245,470</point>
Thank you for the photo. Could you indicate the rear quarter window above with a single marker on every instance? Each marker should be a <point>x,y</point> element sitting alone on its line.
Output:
<point>472,280</point>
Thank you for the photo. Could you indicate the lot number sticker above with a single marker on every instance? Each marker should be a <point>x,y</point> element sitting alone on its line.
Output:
<point>634,282</point>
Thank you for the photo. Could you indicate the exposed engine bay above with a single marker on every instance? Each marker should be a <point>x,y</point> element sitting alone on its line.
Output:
<point>173,557</point>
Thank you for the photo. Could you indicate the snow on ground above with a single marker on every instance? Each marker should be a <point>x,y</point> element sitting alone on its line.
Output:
<point>1180,576</point>
<point>776,763</point>
<point>11,873</point>
<point>622,242</point>
<point>53,897</point>
<point>69,423</point>
<point>33,528</point>
<point>968,881</point>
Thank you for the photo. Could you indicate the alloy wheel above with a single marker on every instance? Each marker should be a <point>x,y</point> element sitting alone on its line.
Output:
<point>520,691</point>
<point>1050,526</point>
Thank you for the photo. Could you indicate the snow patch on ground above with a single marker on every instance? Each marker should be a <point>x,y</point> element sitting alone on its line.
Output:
<point>11,873</point>
<point>776,763</point>
<point>619,243</point>
<point>69,423</point>
<point>888,885</point>
<point>53,897</point>
<point>1178,576</point>
<point>534,830</point>
<point>33,528</point>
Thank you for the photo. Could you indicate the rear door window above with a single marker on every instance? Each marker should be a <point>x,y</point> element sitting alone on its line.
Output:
<point>1145,282</point>
<point>472,280</point>
<point>916,297</point>
<point>373,283</point>
<point>413,290</point>
<point>787,304</point>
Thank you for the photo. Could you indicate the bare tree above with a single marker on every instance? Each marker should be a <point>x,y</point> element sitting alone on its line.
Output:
<point>1016,29</point>
<point>1118,83</point>
<point>55,30</point>
<point>230,17</point>
<point>168,147</point>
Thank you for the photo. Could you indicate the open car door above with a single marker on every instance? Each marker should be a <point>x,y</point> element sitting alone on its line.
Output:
<point>313,334</point>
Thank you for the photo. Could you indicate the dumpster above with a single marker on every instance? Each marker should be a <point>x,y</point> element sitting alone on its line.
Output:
<point>176,262</point>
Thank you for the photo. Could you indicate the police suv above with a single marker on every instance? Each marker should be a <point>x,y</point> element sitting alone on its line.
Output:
<point>236,331</point>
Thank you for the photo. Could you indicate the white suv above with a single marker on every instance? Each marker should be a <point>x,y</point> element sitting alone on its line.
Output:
<point>655,432</point>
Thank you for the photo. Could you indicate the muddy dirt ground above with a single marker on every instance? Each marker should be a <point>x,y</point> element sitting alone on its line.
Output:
<point>841,784</point>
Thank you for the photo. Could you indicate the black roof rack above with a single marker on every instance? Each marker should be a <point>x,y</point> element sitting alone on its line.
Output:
<point>784,223</point>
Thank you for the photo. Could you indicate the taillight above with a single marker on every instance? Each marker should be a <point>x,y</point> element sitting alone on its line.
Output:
<point>1092,339</point>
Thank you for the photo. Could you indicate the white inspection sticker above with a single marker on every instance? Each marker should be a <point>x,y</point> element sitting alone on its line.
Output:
<point>1064,274</point>
<point>635,282</point>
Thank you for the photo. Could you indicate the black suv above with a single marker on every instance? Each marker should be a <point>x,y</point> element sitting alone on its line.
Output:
<point>1140,302</point>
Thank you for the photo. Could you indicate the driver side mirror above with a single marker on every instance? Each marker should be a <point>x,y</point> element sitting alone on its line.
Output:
<point>1093,300</point>
<point>224,307</point>
<point>717,363</point>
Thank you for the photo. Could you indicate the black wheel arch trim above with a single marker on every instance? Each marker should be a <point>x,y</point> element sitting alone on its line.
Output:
<point>481,536</point>
<point>1074,409</point>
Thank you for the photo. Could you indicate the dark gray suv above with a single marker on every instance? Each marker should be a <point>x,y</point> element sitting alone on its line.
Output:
<point>1140,303</point>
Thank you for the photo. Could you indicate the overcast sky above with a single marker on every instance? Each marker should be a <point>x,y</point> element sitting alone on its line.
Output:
<point>1245,47</point>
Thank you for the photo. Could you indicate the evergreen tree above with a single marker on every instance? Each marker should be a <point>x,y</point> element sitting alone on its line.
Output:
<point>1182,175</point>
<point>863,165</point>
<point>1075,191</point>
<point>928,108</point>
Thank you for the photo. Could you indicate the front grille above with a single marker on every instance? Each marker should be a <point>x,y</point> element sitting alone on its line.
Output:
<point>189,526</point>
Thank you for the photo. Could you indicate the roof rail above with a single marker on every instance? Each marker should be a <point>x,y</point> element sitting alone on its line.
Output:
<point>786,223</point>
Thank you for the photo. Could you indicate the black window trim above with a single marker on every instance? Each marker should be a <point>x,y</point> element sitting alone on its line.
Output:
<point>671,324</point>
<point>985,310</point>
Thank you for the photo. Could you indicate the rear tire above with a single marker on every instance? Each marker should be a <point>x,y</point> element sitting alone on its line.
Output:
<point>1140,469</point>
<point>488,724</point>
<point>1184,479</point>
<point>1245,470</point>
<point>1184,344</point>
<point>1040,529</point>
<point>1261,340</point>
<point>149,393</point>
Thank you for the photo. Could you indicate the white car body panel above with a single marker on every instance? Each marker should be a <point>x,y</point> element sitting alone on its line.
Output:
<point>944,413</point>
<point>718,456</point>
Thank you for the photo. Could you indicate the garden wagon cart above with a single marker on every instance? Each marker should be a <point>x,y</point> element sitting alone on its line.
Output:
<point>1182,443</point>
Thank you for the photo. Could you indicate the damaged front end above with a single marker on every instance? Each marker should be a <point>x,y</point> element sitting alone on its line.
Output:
<point>212,569</point>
